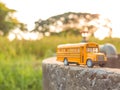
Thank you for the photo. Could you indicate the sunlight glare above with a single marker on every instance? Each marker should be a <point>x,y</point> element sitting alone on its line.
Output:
<point>29,11</point>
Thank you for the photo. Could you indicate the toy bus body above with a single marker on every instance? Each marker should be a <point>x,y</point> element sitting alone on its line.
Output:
<point>81,53</point>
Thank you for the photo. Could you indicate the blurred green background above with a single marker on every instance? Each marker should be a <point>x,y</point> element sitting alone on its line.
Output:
<point>21,60</point>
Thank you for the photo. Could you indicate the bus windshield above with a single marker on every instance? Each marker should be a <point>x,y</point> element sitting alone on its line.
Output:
<point>92,49</point>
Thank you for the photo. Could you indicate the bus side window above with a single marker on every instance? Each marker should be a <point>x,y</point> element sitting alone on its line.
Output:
<point>88,49</point>
<point>78,50</point>
<point>59,50</point>
<point>68,50</point>
<point>63,50</point>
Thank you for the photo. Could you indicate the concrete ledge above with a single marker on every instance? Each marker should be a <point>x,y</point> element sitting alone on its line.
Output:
<point>56,76</point>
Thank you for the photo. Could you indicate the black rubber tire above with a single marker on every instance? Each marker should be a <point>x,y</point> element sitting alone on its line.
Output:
<point>89,63</point>
<point>66,62</point>
<point>101,65</point>
<point>77,64</point>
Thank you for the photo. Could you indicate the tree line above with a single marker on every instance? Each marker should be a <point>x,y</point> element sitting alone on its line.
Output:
<point>63,24</point>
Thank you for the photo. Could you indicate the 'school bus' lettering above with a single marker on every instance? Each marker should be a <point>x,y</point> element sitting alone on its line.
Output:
<point>81,53</point>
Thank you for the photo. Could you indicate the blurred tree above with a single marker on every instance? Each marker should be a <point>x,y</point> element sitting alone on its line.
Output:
<point>23,27</point>
<point>67,23</point>
<point>71,23</point>
<point>8,21</point>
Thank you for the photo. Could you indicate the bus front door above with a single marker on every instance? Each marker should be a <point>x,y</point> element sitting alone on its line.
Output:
<point>82,55</point>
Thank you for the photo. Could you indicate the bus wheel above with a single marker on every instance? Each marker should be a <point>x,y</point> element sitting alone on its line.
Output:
<point>66,62</point>
<point>89,63</point>
<point>101,65</point>
<point>77,64</point>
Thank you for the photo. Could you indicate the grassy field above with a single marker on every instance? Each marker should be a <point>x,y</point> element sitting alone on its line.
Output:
<point>20,61</point>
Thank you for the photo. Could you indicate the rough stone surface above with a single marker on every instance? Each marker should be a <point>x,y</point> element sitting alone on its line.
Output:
<point>56,76</point>
<point>113,62</point>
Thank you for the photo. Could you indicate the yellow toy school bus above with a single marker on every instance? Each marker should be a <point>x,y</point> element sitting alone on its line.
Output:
<point>81,53</point>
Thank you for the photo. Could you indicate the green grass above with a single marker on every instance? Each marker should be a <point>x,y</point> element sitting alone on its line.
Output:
<point>20,75</point>
<point>20,61</point>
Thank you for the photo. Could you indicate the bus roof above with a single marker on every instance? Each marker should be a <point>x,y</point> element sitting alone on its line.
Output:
<point>74,45</point>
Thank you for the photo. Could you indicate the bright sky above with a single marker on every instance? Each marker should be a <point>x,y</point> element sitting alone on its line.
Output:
<point>29,11</point>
